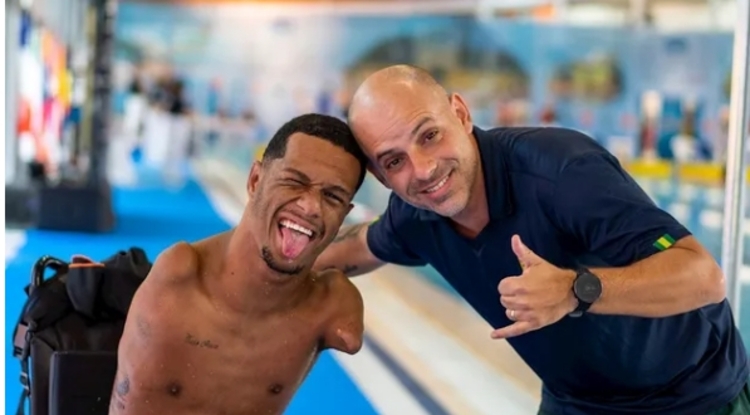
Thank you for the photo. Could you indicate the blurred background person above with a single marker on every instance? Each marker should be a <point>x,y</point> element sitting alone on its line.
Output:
<point>134,114</point>
<point>180,136</point>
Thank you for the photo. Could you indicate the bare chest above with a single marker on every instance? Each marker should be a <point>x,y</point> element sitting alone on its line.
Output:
<point>243,366</point>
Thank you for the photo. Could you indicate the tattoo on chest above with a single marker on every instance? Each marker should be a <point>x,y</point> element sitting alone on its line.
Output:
<point>123,387</point>
<point>205,343</point>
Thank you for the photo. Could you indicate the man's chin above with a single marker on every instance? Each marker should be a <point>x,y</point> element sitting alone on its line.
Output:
<point>282,266</point>
<point>448,207</point>
<point>285,268</point>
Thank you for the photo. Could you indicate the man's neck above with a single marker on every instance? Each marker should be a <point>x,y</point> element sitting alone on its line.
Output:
<point>476,215</point>
<point>250,285</point>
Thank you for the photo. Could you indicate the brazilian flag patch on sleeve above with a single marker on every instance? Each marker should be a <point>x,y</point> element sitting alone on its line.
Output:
<point>664,243</point>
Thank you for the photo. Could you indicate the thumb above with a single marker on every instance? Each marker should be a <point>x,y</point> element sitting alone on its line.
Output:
<point>526,257</point>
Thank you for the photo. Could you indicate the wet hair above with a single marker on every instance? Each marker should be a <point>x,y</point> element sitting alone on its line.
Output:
<point>326,128</point>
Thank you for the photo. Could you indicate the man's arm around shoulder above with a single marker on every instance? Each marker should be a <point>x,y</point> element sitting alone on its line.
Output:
<point>362,248</point>
<point>349,252</point>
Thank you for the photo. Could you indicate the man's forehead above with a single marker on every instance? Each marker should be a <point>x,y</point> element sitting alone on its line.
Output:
<point>331,166</point>
<point>386,128</point>
<point>320,174</point>
<point>401,105</point>
<point>402,112</point>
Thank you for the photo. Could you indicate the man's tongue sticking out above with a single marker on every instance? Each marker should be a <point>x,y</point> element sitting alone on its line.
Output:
<point>292,242</point>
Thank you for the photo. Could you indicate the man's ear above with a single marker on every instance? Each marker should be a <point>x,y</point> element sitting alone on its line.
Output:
<point>254,177</point>
<point>374,171</point>
<point>462,112</point>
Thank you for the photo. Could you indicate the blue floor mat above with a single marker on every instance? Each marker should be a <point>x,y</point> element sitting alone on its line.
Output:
<point>153,219</point>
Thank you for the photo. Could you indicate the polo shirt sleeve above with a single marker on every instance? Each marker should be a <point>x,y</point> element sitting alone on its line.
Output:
<point>385,236</point>
<point>608,214</point>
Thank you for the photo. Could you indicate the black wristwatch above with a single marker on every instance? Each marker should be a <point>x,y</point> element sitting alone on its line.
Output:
<point>587,288</point>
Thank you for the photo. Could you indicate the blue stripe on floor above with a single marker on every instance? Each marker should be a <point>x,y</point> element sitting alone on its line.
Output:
<point>426,400</point>
<point>153,219</point>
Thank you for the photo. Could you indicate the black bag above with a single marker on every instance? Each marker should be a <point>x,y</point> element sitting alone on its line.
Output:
<point>82,307</point>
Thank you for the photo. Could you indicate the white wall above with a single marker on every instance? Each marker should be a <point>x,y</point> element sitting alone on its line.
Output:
<point>709,15</point>
<point>12,28</point>
<point>669,15</point>
<point>595,15</point>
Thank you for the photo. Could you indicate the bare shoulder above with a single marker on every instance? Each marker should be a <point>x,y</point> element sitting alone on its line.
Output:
<point>335,279</point>
<point>346,327</point>
<point>175,264</point>
<point>157,312</point>
<point>340,287</point>
<point>157,307</point>
<point>166,286</point>
<point>152,349</point>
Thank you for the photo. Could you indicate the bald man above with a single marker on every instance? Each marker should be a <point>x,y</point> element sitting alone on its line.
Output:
<point>612,302</point>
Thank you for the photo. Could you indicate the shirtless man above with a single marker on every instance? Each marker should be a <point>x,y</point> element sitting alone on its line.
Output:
<point>233,324</point>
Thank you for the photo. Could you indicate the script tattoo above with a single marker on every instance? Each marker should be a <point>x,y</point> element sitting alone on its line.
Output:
<point>349,232</point>
<point>194,341</point>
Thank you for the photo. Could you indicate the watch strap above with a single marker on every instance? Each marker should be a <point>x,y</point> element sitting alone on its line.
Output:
<point>583,306</point>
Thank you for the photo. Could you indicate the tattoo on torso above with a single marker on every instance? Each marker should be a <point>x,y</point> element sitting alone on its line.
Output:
<point>194,341</point>
<point>122,388</point>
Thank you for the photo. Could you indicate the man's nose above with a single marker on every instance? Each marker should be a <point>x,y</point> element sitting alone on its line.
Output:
<point>309,203</point>
<point>424,166</point>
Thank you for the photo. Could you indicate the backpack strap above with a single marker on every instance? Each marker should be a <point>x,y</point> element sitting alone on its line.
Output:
<point>21,348</point>
<point>26,392</point>
<point>24,329</point>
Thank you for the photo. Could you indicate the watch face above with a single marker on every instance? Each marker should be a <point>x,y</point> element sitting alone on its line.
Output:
<point>588,287</point>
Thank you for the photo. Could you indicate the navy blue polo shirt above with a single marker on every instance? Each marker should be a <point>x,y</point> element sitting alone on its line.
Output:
<point>572,203</point>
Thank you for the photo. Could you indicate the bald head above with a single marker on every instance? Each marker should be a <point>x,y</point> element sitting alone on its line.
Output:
<point>403,73</point>
<point>398,82</point>
<point>417,137</point>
